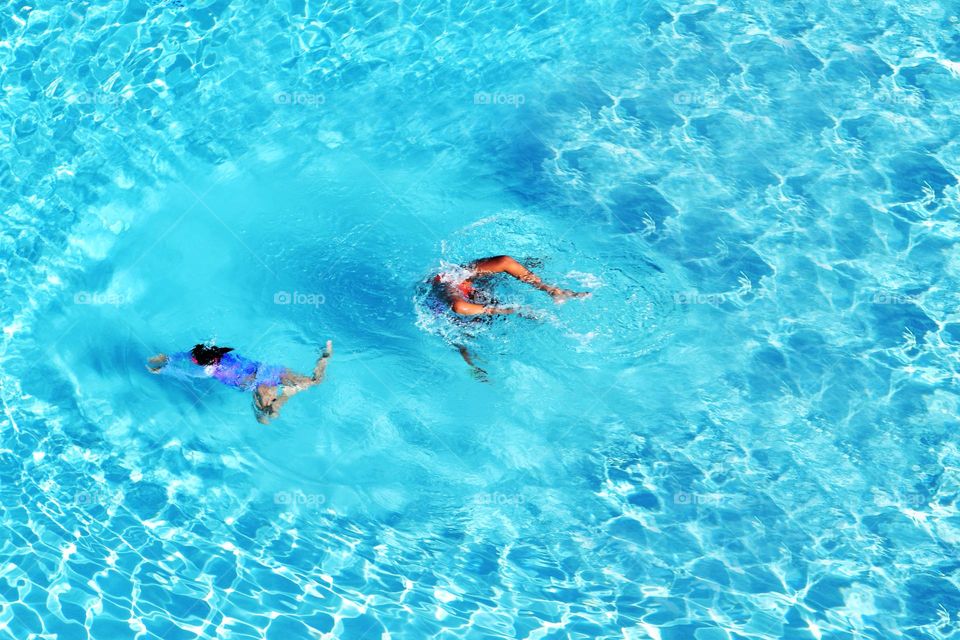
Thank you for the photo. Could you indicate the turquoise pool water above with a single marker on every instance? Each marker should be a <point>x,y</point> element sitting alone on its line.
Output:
<point>748,431</point>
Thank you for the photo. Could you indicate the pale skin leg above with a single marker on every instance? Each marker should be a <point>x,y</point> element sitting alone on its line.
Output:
<point>268,400</point>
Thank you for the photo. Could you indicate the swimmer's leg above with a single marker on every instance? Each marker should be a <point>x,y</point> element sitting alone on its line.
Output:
<point>506,264</point>
<point>480,374</point>
<point>320,370</point>
<point>297,382</point>
<point>268,399</point>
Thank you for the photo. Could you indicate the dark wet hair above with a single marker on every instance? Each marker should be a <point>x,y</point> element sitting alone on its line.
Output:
<point>204,354</point>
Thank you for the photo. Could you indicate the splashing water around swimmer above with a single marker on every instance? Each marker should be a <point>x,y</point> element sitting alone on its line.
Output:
<point>616,317</point>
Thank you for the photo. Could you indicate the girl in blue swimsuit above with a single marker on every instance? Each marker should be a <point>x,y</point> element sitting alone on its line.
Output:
<point>272,385</point>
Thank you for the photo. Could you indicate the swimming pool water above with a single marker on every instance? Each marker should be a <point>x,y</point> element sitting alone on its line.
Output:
<point>748,431</point>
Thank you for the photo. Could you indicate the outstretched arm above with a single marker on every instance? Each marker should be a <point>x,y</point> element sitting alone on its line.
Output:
<point>156,363</point>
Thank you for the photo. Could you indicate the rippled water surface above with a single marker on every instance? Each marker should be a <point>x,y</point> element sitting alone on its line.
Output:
<point>748,431</point>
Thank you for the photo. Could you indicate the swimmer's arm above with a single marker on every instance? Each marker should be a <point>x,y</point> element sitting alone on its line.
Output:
<point>157,362</point>
<point>465,308</point>
<point>178,365</point>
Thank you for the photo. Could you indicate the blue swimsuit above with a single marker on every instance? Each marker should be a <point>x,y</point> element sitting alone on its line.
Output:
<point>233,370</point>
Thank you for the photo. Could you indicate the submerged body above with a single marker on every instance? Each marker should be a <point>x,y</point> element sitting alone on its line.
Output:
<point>233,370</point>
<point>466,294</point>
<point>272,385</point>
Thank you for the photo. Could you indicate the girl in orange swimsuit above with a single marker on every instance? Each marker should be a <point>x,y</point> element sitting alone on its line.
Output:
<point>465,298</point>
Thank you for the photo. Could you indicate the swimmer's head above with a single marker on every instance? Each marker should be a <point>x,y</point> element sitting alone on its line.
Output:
<point>205,355</point>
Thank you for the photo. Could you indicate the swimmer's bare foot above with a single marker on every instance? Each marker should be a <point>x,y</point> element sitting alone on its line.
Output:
<point>562,295</point>
<point>321,366</point>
